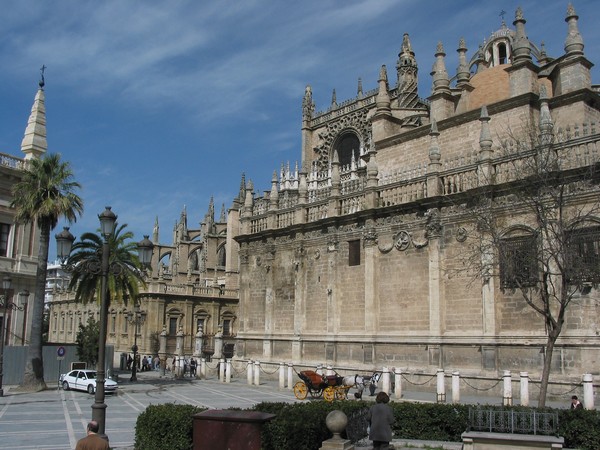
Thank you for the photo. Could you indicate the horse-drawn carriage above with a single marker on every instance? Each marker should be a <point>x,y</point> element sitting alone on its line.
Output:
<point>331,387</point>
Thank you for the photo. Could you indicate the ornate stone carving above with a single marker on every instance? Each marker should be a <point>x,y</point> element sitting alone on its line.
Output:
<point>402,240</point>
<point>434,223</point>
<point>369,237</point>
<point>357,121</point>
<point>461,234</point>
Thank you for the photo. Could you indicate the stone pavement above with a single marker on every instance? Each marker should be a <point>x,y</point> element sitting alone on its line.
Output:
<point>56,419</point>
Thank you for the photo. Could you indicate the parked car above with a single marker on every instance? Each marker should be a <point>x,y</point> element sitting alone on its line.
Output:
<point>85,380</point>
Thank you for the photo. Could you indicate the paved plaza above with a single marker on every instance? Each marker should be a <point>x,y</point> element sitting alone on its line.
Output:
<point>56,419</point>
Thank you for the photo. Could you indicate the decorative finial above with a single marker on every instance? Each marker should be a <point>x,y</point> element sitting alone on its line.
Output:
<point>42,82</point>
<point>502,14</point>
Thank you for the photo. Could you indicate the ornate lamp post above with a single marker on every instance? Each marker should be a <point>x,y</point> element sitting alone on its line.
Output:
<point>6,284</point>
<point>137,319</point>
<point>98,265</point>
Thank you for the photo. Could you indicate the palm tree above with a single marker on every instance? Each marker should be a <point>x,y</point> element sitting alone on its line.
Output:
<point>124,277</point>
<point>45,194</point>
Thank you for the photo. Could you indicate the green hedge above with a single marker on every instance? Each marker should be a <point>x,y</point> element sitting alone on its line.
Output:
<point>302,425</point>
<point>166,426</point>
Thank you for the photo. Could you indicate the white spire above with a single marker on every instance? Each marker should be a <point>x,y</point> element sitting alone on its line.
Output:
<point>34,142</point>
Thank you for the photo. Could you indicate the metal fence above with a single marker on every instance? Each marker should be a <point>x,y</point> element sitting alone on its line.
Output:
<point>516,422</point>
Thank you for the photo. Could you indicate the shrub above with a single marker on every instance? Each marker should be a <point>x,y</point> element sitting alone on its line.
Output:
<point>165,427</point>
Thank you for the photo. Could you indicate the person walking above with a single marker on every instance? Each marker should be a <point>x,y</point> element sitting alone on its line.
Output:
<point>92,441</point>
<point>381,419</point>
<point>575,403</point>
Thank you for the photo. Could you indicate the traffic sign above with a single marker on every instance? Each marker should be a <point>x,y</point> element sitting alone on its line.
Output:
<point>61,351</point>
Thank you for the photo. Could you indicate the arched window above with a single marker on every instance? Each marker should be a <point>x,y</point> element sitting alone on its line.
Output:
<point>502,54</point>
<point>518,258</point>
<point>221,256</point>
<point>347,145</point>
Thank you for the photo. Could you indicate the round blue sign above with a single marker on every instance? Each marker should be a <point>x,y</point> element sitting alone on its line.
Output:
<point>61,351</point>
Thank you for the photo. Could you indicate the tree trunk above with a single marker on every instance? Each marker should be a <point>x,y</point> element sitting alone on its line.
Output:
<point>547,368</point>
<point>33,377</point>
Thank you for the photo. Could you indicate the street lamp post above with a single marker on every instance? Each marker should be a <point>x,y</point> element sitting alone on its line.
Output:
<point>137,319</point>
<point>100,265</point>
<point>6,284</point>
<point>64,241</point>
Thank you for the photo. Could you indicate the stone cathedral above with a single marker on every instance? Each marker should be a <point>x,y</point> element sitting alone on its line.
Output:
<point>351,258</point>
<point>348,259</point>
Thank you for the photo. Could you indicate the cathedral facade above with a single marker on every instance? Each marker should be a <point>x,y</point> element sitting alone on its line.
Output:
<point>352,259</point>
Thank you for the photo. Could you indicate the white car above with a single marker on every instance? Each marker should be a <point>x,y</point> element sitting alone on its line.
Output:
<point>85,380</point>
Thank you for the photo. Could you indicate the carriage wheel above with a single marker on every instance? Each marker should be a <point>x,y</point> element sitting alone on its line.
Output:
<point>300,390</point>
<point>316,393</point>
<point>329,393</point>
<point>341,393</point>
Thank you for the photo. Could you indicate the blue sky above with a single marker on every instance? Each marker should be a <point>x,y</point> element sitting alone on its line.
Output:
<point>159,105</point>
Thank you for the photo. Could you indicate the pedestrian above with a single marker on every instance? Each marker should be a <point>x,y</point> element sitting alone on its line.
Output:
<point>381,418</point>
<point>193,365</point>
<point>575,403</point>
<point>92,441</point>
<point>129,361</point>
<point>156,363</point>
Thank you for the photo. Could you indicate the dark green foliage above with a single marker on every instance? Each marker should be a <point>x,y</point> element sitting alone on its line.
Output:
<point>430,421</point>
<point>580,428</point>
<point>302,425</point>
<point>165,427</point>
<point>87,342</point>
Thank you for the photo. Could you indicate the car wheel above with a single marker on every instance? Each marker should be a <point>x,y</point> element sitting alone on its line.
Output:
<point>90,389</point>
<point>65,386</point>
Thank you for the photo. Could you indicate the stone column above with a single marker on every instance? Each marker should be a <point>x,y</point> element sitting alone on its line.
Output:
<point>203,368</point>
<point>588,391</point>
<point>385,380</point>
<point>371,282</point>
<point>290,376</point>
<point>398,383</point>
<point>256,373</point>
<point>281,376</point>
<point>250,372</point>
<point>222,370</point>
<point>162,350</point>
<point>524,388</point>
<point>228,371</point>
<point>456,386</point>
<point>507,399</point>
<point>441,386</point>
<point>198,343</point>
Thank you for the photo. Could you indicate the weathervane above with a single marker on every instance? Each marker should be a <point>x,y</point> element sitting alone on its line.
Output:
<point>42,82</point>
<point>502,13</point>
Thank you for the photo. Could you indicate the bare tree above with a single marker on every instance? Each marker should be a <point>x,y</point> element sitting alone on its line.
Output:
<point>535,226</point>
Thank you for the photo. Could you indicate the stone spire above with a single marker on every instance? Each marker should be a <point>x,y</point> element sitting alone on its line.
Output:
<point>574,41</point>
<point>359,91</point>
<point>485,136</point>
<point>34,142</point>
<point>441,81</point>
<point>546,123</point>
<point>383,96</point>
<point>308,106</point>
<point>434,146</point>
<point>222,216</point>
<point>274,197</point>
<point>333,100</point>
<point>521,44</point>
<point>407,71</point>
<point>462,73</point>
<point>155,237</point>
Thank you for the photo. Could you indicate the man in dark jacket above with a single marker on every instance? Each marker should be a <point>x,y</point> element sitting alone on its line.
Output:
<point>92,441</point>
<point>381,418</point>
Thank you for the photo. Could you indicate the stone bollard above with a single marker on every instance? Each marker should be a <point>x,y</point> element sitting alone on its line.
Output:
<point>336,422</point>
<point>250,372</point>
<point>228,371</point>
<point>507,399</point>
<point>203,368</point>
<point>456,386</point>
<point>441,386</point>
<point>256,373</point>
<point>222,370</point>
<point>385,380</point>
<point>281,376</point>
<point>398,383</point>
<point>524,388</point>
<point>588,391</point>
<point>290,376</point>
